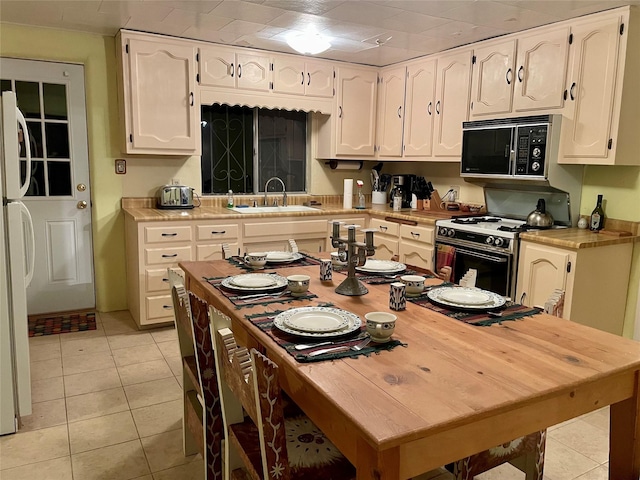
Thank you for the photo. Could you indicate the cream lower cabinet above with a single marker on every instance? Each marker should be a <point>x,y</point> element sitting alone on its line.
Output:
<point>211,236</point>
<point>595,281</point>
<point>274,234</point>
<point>386,238</point>
<point>416,245</point>
<point>152,247</point>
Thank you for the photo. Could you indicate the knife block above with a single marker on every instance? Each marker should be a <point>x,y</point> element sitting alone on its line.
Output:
<point>434,203</point>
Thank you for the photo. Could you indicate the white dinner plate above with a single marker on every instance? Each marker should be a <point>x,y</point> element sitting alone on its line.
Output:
<point>281,320</point>
<point>255,282</point>
<point>283,257</point>
<point>466,298</point>
<point>316,321</point>
<point>373,265</point>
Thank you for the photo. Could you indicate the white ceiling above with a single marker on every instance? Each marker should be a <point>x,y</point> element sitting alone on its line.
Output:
<point>371,32</point>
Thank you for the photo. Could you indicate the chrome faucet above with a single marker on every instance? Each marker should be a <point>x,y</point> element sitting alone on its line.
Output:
<point>284,192</point>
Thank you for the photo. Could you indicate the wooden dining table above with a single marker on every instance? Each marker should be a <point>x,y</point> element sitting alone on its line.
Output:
<point>455,389</point>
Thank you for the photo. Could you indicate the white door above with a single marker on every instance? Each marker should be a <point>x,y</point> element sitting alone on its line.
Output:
<point>52,99</point>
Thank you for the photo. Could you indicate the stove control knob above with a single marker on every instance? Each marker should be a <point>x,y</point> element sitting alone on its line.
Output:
<point>451,233</point>
<point>443,231</point>
<point>535,166</point>
<point>489,240</point>
<point>537,152</point>
<point>499,242</point>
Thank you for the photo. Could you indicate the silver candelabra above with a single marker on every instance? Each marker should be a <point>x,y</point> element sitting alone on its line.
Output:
<point>354,253</point>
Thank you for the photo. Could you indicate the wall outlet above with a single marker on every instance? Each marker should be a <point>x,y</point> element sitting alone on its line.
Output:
<point>456,192</point>
<point>121,166</point>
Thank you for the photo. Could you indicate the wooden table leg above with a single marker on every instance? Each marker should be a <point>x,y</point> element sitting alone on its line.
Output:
<point>624,441</point>
<point>373,465</point>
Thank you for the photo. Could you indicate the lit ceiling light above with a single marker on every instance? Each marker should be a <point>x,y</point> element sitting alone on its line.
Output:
<point>308,43</point>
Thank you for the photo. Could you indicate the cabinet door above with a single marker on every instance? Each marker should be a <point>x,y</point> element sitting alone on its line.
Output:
<point>217,67</point>
<point>390,112</point>
<point>492,79</point>
<point>163,113</point>
<point>541,70</point>
<point>542,269</point>
<point>252,71</point>
<point>590,88</point>
<point>453,82</point>
<point>288,75</point>
<point>416,255</point>
<point>419,109</point>
<point>356,111</point>
<point>386,247</point>
<point>318,79</point>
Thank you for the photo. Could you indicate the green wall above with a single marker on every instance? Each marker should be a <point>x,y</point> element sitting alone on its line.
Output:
<point>97,54</point>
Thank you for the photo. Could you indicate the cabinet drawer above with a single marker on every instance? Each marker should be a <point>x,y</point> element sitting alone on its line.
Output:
<point>159,306</point>
<point>418,234</point>
<point>417,256</point>
<point>385,227</point>
<point>288,229</point>
<point>157,280</point>
<point>167,234</point>
<point>216,232</point>
<point>154,256</point>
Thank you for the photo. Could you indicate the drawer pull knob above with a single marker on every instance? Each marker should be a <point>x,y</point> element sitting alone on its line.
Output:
<point>383,228</point>
<point>165,279</point>
<point>173,255</point>
<point>415,235</point>
<point>213,232</point>
<point>167,307</point>
<point>169,234</point>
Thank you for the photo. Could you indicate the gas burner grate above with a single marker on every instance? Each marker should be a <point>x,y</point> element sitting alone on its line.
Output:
<point>475,220</point>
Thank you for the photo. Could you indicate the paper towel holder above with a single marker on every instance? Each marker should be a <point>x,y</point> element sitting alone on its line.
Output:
<point>345,164</point>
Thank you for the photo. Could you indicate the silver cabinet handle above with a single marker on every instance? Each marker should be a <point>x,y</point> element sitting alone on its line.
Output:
<point>340,114</point>
<point>508,76</point>
<point>438,107</point>
<point>169,234</point>
<point>239,71</point>
<point>520,72</point>
<point>415,235</point>
<point>571,90</point>
<point>302,81</point>
<point>213,232</point>
<point>429,108</point>
<point>232,69</point>
<point>167,307</point>
<point>173,255</point>
<point>191,98</point>
<point>383,228</point>
<point>308,78</point>
<point>400,111</point>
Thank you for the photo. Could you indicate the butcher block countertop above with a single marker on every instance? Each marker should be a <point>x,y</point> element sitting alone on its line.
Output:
<point>143,210</point>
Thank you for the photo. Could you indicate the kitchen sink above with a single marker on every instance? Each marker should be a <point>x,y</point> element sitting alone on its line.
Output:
<point>287,209</point>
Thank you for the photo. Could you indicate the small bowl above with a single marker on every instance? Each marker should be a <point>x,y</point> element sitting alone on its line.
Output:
<point>335,260</point>
<point>298,284</point>
<point>380,325</point>
<point>414,284</point>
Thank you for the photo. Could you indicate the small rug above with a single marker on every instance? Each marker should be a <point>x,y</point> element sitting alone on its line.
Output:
<point>62,323</point>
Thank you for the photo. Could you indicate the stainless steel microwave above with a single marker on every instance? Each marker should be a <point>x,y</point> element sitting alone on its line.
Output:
<point>510,148</point>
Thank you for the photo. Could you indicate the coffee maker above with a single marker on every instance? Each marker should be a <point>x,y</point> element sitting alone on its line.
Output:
<point>405,184</point>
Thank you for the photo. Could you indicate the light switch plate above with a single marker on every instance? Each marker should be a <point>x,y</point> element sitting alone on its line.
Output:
<point>121,166</point>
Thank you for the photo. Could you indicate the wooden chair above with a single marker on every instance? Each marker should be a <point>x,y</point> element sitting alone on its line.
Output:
<point>526,453</point>
<point>202,416</point>
<point>272,442</point>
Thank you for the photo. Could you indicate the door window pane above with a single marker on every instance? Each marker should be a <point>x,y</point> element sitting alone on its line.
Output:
<point>5,85</point>
<point>57,136</point>
<point>28,95</point>
<point>59,178</point>
<point>35,140</point>
<point>37,185</point>
<point>55,101</point>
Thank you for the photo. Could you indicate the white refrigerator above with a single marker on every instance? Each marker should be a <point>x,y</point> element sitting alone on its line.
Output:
<point>17,251</point>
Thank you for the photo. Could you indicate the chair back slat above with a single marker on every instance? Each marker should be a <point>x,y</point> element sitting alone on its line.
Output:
<point>212,414</point>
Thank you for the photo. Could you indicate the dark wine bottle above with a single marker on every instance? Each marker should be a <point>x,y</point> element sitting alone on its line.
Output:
<point>597,217</point>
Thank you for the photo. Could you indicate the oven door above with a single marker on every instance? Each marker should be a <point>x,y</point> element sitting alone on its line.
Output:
<point>487,151</point>
<point>495,270</point>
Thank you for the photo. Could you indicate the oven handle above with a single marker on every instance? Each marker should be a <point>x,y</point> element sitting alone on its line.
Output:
<point>481,255</point>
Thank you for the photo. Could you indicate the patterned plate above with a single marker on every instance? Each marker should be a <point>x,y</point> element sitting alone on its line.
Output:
<point>353,321</point>
<point>382,267</point>
<point>445,295</point>
<point>283,257</point>
<point>255,282</point>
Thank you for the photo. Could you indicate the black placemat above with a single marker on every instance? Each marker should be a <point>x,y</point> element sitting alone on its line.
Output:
<point>241,301</point>
<point>264,321</point>
<point>306,260</point>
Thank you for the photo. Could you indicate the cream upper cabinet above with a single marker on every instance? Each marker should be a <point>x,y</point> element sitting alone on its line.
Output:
<point>158,117</point>
<point>492,79</point>
<point>419,108</point>
<point>391,90</point>
<point>601,104</point>
<point>453,82</point>
<point>355,111</point>
<point>541,69</point>
<point>234,68</point>
<point>295,76</point>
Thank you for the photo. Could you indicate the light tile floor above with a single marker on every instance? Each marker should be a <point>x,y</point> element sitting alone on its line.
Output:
<point>107,406</point>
